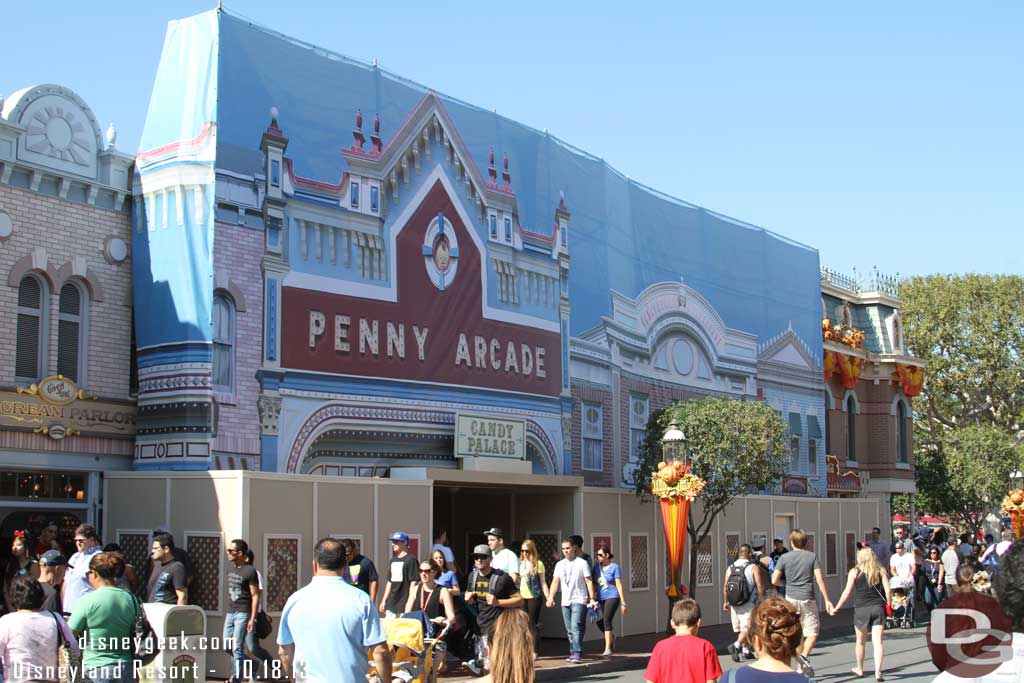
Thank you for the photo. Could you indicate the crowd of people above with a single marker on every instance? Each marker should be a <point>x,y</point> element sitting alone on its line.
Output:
<point>488,618</point>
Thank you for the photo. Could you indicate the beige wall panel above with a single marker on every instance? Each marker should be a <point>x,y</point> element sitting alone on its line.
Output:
<point>345,509</point>
<point>133,504</point>
<point>402,507</point>
<point>197,506</point>
<point>646,607</point>
<point>759,520</point>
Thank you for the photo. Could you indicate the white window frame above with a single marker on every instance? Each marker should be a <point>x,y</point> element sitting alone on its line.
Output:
<point>593,537</point>
<point>854,534</point>
<point>507,226</point>
<point>221,592</point>
<point>739,542</point>
<point>492,224</point>
<point>711,553</point>
<point>794,454</point>
<point>584,438</point>
<point>647,541</point>
<point>42,345</point>
<point>232,345</point>
<point>83,331</point>
<point>812,456</point>
<point>902,433</point>
<point>266,567</point>
<point>635,429</point>
<point>835,544</point>
<point>374,202</point>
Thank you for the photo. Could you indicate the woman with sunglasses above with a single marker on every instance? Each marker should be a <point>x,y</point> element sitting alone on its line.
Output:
<point>435,601</point>
<point>533,583</point>
<point>445,577</point>
<point>610,595</point>
<point>431,598</point>
<point>934,578</point>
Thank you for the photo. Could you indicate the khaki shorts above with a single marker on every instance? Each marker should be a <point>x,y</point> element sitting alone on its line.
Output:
<point>808,611</point>
<point>741,616</point>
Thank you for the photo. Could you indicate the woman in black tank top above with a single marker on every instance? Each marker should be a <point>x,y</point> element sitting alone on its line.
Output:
<point>869,585</point>
<point>433,600</point>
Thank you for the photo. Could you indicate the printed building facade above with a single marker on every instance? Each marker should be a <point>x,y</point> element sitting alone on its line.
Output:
<point>67,410</point>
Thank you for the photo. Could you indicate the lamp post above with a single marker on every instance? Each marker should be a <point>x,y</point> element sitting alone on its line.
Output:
<point>675,488</point>
<point>1013,504</point>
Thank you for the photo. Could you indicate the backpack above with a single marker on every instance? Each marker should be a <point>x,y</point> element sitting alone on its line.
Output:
<point>737,590</point>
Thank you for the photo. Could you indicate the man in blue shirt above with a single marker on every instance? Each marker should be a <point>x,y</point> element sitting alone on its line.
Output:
<point>76,581</point>
<point>327,626</point>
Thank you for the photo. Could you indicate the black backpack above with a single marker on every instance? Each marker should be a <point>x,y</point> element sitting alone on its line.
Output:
<point>737,590</point>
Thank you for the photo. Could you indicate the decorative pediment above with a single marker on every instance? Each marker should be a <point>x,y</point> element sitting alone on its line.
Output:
<point>789,349</point>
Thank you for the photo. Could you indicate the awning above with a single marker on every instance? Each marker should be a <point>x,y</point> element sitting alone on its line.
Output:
<point>813,430</point>
<point>795,424</point>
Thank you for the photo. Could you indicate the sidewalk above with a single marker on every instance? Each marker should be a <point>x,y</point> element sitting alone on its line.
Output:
<point>633,652</point>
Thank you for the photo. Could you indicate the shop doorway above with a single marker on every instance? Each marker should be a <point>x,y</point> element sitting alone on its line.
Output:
<point>32,521</point>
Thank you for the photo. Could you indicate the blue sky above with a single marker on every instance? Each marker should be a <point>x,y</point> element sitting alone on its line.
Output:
<point>882,134</point>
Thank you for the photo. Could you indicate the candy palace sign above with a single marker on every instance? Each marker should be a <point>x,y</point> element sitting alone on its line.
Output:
<point>478,435</point>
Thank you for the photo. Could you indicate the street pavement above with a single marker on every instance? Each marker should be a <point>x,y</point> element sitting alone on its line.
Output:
<point>906,661</point>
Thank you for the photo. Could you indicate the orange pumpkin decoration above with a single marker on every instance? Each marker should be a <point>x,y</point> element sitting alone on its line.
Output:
<point>1017,497</point>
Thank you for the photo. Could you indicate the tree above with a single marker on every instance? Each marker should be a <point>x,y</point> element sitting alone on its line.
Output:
<point>737,447</point>
<point>969,419</point>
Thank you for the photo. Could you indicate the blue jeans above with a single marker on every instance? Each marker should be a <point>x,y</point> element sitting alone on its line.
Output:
<point>234,632</point>
<point>111,674</point>
<point>572,617</point>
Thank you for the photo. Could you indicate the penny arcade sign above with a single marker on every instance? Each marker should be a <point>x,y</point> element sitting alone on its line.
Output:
<point>436,331</point>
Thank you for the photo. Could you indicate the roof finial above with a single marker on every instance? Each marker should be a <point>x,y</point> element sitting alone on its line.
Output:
<point>273,116</point>
<point>506,177</point>
<point>492,172</point>
<point>375,138</point>
<point>360,139</point>
<point>111,136</point>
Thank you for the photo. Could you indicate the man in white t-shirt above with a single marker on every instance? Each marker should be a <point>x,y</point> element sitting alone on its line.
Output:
<point>950,561</point>
<point>902,569</point>
<point>504,559</point>
<point>441,543</point>
<point>572,575</point>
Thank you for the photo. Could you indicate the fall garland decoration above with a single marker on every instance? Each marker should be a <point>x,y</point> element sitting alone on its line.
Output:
<point>911,379</point>
<point>674,480</point>
<point>842,333</point>
<point>1013,505</point>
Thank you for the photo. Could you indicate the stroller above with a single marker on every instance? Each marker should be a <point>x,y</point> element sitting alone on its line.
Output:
<point>902,604</point>
<point>415,657</point>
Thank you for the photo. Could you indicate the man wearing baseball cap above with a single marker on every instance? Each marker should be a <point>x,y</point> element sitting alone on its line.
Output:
<point>492,590</point>
<point>502,558</point>
<point>403,575</point>
<point>52,566</point>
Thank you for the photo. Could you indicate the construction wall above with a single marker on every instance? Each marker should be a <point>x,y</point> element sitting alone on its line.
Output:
<point>282,517</point>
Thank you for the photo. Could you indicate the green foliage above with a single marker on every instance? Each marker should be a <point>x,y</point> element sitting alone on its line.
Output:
<point>969,419</point>
<point>737,447</point>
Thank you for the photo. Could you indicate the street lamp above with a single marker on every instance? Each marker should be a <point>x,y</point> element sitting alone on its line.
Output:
<point>1016,480</point>
<point>673,444</point>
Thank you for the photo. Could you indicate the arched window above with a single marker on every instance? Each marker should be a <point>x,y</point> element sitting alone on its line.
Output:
<point>904,438</point>
<point>30,360</point>
<point>851,429</point>
<point>223,343</point>
<point>71,333</point>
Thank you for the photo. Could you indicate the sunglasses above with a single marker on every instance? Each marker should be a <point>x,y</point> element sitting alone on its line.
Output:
<point>426,571</point>
<point>480,558</point>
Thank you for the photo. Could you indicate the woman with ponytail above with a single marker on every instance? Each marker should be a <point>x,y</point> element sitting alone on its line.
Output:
<point>775,633</point>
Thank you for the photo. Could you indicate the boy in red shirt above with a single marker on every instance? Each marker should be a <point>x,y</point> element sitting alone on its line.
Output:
<point>684,658</point>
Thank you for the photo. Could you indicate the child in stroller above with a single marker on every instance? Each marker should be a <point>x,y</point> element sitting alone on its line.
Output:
<point>902,604</point>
